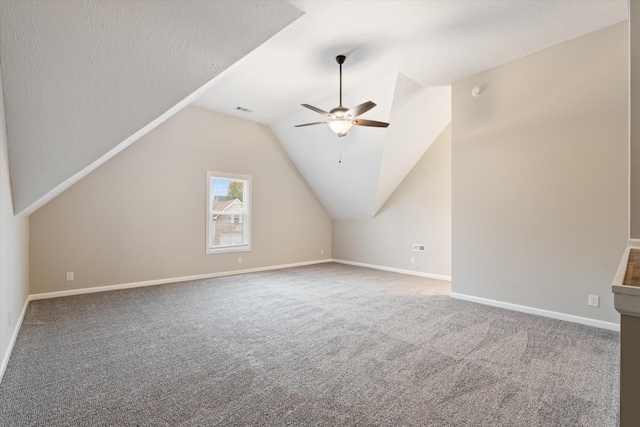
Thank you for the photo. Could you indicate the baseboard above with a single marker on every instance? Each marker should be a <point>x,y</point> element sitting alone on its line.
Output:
<point>12,341</point>
<point>633,243</point>
<point>395,270</point>
<point>70,292</point>
<point>540,312</point>
<point>33,297</point>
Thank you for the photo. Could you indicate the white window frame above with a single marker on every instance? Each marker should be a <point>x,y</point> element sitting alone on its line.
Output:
<point>245,222</point>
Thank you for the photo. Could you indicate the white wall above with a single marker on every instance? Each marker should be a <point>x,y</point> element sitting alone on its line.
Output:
<point>14,255</point>
<point>540,177</point>
<point>141,216</point>
<point>419,211</point>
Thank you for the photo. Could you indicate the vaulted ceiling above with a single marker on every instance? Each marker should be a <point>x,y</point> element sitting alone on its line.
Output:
<point>83,80</point>
<point>400,54</point>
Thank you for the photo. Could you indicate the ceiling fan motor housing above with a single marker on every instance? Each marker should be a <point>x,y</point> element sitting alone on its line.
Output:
<point>339,112</point>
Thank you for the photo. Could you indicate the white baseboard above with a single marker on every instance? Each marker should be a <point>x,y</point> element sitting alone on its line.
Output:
<point>12,341</point>
<point>633,243</point>
<point>540,312</point>
<point>509,306</point>
<point>33,297</point>
<point>395,270</point>
<point>70,292</point>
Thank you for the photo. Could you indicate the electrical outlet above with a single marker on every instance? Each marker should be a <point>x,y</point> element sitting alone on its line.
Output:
<point>321,251</point>
<point>594,301</point>
<point>412,260</point>
<point>239,260</point>
<point>69,276</point>
<point>10,318</point>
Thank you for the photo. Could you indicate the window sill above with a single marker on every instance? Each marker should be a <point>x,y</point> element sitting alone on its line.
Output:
<point>227,249</point>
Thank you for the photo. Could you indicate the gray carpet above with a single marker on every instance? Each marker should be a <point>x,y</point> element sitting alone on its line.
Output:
<point>324,345</point>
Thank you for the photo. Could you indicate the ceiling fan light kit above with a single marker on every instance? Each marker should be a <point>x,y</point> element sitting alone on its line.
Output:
<point>340,127</point>
<point>340,118</point>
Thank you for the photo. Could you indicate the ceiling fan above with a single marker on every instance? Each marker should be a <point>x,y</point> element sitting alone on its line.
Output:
<point>341,118</point>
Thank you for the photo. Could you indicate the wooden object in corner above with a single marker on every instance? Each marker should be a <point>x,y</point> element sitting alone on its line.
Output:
<point>632,276</point>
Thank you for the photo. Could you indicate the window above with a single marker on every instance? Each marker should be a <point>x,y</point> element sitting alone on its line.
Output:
<point>228,212</point>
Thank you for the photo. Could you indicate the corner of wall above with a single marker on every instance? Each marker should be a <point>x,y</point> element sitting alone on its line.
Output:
<point>14,256</point>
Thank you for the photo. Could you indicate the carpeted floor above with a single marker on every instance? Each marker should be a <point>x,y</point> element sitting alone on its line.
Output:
<point>324,345</point>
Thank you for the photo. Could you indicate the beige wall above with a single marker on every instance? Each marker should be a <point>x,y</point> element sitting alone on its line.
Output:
<point>141,216</point>
<point>14,254</point>
<point>540,177</point>
<point>419,211</point>
<point>634,141</point>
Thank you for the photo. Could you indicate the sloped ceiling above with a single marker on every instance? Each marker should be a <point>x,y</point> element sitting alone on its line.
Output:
<point>83,79</point>
<point>400,54</point>
<point>354,175</point>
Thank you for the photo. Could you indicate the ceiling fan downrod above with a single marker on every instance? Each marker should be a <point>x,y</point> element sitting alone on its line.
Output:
<point>340,60</point>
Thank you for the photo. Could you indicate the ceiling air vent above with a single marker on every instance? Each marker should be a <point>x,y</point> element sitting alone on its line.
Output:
<point>244,110</point>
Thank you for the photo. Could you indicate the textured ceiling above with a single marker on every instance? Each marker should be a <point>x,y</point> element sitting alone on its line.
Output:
<point>82,80</point>
<point>373,160</point>
<point>435,42</point>
<point>429,43</point>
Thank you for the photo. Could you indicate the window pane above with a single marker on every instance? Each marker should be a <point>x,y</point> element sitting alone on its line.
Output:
<point>226,231</point>
<point>228,212</point>
<point>224,189</point>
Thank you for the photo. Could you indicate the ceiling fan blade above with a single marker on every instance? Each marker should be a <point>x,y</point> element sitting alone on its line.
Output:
<point>309,124</point>
<point>317,110</point>
<point>365,122</point>
<point>360,109</point>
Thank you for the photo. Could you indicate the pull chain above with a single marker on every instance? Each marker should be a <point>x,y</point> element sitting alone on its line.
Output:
<point>340,159</point>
